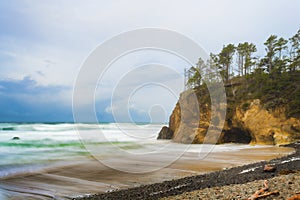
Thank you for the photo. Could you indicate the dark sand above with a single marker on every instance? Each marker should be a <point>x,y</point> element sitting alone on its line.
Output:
<point>91,177</point>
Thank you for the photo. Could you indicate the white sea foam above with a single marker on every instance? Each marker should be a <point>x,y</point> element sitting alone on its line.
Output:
<point>41,144</point>
<point>290,160</point>
<point>248,170</point>
<point>46,143</point>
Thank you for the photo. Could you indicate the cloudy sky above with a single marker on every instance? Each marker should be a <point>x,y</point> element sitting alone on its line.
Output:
<point>45,43</point>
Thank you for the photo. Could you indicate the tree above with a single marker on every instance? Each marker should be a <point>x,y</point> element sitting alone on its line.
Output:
<point>224,60</point>
<point>194,78</point>
<point>294,52</point>
<point>245,58</point>
<point>212,69</point>
<point>270,49</point>
<point>241,58</point>
<point>281,58</point>
<point>274,60</point>
<point>249,59</point>
<point>281,45</point>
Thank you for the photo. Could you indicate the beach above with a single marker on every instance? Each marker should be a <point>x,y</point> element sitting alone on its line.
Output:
<point>88,177</point>
<point>51,162</point>
<point>238,182</point>
<point>286,185</point>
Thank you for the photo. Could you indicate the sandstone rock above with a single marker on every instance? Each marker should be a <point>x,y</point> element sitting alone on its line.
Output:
<point>265,127</point>
<point>194,122</point>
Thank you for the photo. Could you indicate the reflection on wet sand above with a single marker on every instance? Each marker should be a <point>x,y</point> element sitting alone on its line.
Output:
<point>90,176</point>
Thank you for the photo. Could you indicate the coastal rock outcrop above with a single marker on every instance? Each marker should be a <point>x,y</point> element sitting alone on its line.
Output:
<point>267,127</point>
<point>15,138</point>
<point>250,122</point>
<point>165,133</point>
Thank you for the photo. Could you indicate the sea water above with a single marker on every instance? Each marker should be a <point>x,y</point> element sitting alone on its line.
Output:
<point>28,147</point>
<point>64,159</point>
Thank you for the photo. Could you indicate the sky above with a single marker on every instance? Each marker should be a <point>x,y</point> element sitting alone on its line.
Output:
<point>45,43</point>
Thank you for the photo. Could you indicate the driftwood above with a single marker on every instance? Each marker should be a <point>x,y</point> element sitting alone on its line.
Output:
<point>295,197</point>
<point>269,168</point>
<point>258,194</point>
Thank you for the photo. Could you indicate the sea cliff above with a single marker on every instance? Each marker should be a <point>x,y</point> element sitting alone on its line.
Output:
<point>259,110</point>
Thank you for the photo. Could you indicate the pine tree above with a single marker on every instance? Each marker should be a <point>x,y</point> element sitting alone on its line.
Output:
<point>224,60</point>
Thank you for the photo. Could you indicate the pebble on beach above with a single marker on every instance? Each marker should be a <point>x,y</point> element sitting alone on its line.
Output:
<point>287,185</point>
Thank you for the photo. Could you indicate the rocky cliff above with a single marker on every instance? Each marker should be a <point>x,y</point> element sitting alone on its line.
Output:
<point>248,119</point>
<point>266,127</point>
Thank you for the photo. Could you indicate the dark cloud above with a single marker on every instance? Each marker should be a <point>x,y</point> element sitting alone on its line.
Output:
<point>23,101</point>
<point>26,101</point>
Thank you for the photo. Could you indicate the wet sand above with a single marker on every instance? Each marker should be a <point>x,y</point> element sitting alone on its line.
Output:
<point>192,187</point>
<point>90,176</point>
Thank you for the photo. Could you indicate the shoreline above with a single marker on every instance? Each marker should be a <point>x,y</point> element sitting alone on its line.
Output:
<point>89,176</point>
<point>236,175</point>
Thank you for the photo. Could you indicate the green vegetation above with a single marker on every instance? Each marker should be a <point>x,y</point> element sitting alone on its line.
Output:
<point>273,78</point>
<point>274,90</point>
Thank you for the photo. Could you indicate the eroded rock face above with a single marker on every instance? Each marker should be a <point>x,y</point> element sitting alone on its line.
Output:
<point>267,127</point>
<point>185,118</point>
<point>249,124</point>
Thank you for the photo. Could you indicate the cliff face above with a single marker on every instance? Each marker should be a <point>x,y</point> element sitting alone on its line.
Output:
<point>267,127</point>
<point>187,122</point>
<point>247,121</point>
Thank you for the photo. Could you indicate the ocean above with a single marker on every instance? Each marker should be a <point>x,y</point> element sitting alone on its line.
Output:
<point>87,158</point>
<point>27,147</point>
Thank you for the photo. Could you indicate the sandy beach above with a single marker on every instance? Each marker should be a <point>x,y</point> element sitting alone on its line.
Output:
<point>87,177</point>
<point>240,182</point>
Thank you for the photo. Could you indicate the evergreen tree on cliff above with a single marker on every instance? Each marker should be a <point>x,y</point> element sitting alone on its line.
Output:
<point>294,53</point>
<point>245,57</point>
<point>275,60</point>
<point>224,60</point>
<point>195,74</point>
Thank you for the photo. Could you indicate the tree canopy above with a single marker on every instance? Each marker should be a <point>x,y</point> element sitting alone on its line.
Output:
<point>281,55</point>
